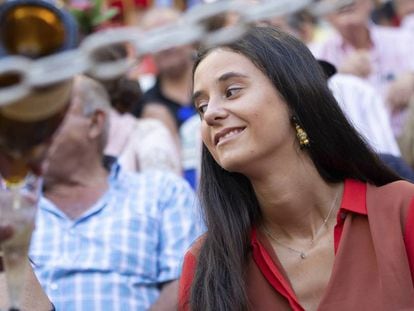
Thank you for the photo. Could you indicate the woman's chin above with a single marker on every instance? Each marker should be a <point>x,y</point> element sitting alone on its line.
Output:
<point>233,166</point>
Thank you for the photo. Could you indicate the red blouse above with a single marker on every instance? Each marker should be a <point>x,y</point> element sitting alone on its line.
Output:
<point>374,264</point>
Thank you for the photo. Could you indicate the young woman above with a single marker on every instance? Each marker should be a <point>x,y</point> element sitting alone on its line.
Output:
<point>301,214</point>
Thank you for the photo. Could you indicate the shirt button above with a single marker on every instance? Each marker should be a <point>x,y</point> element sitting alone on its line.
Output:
<point>343,215</point>
<point>54,286</point>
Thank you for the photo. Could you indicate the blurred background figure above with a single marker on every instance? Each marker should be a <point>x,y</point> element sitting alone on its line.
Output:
<point>105,238</point>
<point>309,28</point>
<point>365,109</point>
<point>138,143</point>
<point>169,100</point>
<point>380,55</point>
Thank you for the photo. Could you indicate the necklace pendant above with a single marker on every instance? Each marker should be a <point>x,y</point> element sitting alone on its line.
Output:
<point>302,255</point>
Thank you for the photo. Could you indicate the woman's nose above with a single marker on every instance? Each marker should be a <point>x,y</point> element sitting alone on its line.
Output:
<point>215,113</point>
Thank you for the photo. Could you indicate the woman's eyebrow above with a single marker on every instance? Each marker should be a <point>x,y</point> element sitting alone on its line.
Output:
<point>228,75</point>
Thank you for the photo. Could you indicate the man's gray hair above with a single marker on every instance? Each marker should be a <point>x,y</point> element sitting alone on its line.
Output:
<point>93,97</point>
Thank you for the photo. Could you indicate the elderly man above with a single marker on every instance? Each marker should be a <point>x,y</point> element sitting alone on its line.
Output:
<point>107,240</point>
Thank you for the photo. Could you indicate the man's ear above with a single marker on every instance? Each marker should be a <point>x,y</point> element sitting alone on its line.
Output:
<point>97,123</point>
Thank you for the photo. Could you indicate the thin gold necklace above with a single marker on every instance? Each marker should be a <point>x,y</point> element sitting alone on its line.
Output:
<point>302,253</point>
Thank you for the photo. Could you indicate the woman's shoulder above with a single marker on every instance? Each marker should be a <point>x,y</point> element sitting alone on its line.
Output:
<point>191,257</point>
<point>195,248</point>
<point>397,193</point>
<point>188,272</point>
<point>399,188</point>
<point>391,201</point>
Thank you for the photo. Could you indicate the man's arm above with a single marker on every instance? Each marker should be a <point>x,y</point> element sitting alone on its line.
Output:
<point>33,296</point>
<point>168,299</point>
<point>34,299</point>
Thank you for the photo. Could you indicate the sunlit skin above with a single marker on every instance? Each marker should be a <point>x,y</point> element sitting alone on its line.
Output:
<point>236,95</point>
<point>236,98</point>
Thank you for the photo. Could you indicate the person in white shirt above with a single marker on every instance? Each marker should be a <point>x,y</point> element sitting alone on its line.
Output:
<point>365,109</point>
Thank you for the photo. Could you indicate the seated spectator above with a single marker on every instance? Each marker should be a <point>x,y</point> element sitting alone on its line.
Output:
<point>170,98</point>
<point>380,55</point>
<point>365,109</point>
<point>139,143</point>
<point>107,241</point>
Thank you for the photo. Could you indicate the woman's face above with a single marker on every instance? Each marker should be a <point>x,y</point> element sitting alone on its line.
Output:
<point>245,122</point>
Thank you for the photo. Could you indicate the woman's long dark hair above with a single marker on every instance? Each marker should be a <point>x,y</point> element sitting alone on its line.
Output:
<point>228,200</point>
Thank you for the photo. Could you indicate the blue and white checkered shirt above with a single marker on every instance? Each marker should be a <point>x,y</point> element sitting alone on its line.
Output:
<point>116,255</point>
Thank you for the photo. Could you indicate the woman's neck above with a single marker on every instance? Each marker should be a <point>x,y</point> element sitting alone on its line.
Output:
<point>295,204</point>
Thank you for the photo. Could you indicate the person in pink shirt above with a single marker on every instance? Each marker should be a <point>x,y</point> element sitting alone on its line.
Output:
<point>381,55</point>
<point>138,143</point>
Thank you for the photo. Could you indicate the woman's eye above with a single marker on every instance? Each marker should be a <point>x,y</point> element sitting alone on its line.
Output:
<point>232,91</point>
<point>202,108</point>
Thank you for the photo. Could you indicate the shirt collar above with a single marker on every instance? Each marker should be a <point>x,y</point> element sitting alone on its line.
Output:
<point>354,197</point>
<point>112,165</point>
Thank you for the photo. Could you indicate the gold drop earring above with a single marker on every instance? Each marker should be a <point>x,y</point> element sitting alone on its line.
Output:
<point>301,134</point>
